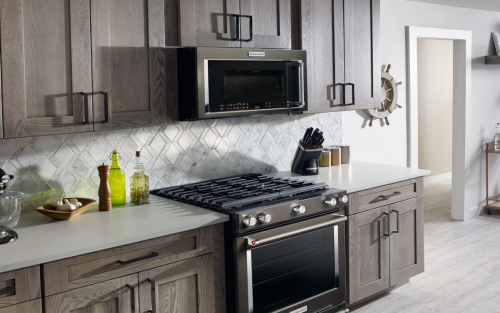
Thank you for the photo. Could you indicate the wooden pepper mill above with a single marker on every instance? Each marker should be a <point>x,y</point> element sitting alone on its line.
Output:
<point>104,190</point>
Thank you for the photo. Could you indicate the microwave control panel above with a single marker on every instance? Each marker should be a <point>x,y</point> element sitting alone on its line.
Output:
<point>252,106</point>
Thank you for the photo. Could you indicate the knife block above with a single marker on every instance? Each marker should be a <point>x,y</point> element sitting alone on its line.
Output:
<point>306,161</point>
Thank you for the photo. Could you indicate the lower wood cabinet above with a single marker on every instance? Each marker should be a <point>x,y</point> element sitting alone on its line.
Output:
<point>19,286</point>
<point>118,295</point>
<point>186,286</point>
<point>385,247</point>
<point>34,306</point>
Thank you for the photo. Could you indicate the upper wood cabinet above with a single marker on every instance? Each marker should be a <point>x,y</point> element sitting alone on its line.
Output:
<point>232,23</point>
<point>342,40</point>
<point>46,64</point>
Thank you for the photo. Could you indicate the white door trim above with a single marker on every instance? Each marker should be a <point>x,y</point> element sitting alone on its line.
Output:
<point>462,152</point>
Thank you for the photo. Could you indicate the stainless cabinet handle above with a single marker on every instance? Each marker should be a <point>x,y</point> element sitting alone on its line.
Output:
<point>397,212</point>
<point>388,224</point>
<point>85,107</point>
<point>105,107</point>
<point>148,256</point>
<point>383,198</point>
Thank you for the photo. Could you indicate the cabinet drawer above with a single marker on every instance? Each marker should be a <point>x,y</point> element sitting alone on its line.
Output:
<point>377,197</point>
<point>103,265</point>
<point>34,306</point>
<point>19,286</point>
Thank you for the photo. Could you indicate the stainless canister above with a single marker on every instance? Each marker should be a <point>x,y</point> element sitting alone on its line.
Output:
<point>346,153</point>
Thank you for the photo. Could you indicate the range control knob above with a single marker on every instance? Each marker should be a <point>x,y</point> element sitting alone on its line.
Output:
<point>264,217</point>
<point>249,220</point>
<point>343,199</point>
<point>331,201</point>
<point>299,209</point>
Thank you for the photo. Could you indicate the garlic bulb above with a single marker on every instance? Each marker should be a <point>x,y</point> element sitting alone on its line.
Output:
<point>66,207</point>
<point>56,203</point>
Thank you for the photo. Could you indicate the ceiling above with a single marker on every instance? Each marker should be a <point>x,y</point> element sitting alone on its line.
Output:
<point>487,5</point>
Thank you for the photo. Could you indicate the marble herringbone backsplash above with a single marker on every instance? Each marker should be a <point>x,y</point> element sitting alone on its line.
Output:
<point>48,167</point>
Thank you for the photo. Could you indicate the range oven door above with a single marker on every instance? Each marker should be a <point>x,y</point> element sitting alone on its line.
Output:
<point>298,267</point>
<point>245,86</point>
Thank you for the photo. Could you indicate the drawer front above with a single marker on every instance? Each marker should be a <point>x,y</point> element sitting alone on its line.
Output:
<point>20,286</point>
<point>92,268</point>
<point>34,306</point>
<point>381,196</point>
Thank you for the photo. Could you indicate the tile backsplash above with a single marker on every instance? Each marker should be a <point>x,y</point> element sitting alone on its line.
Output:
<point>48,167</point>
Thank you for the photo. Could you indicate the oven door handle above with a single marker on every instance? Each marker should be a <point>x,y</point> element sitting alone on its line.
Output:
<point>254,242</point>
<point>295,92</point>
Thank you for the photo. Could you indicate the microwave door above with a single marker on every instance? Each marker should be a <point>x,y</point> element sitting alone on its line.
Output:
<point>294,84</point>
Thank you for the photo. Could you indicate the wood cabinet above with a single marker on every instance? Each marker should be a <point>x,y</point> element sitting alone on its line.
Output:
<point>118,295</point>
<point>34,306</point>
<point>385,247</point>
<point>342,40</point>
<point>185,286</point>
<point>233,23</point>
<point>61,61</point>
<point>19,286</point>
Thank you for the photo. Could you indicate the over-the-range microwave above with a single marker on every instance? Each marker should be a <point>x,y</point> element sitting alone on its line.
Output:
<point>230,82</point>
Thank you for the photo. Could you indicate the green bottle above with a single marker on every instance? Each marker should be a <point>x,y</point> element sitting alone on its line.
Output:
<point>117,181</point>
<point>139,183</point>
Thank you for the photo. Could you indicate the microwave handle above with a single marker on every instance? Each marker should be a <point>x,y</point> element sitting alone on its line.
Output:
<point>291,69</point>
<point>254,242</point>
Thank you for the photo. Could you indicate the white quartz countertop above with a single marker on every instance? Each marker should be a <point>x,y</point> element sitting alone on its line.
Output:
<point>42,239</point>
<point>359,175</point>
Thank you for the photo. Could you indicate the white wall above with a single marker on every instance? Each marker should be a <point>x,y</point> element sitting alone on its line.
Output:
<point>388,144</point>
<point>435,105</point>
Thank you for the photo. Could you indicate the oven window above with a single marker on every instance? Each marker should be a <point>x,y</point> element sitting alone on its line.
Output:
<point>253,83</point>
<point>293,270</point>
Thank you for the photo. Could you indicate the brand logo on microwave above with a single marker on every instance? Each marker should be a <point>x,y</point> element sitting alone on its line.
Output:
<point>256,54</point>
<point>301,310</point>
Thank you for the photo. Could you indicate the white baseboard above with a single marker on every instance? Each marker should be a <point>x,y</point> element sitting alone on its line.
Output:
<point>437,178</point>
<point>475,212</point>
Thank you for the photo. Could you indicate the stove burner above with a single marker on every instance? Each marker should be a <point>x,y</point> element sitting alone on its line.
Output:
<point>236,192</point>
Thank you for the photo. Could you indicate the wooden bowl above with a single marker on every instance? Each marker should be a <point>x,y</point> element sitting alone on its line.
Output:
<point>47,210</point>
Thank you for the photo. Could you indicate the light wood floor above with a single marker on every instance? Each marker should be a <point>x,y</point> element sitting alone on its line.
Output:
<point>462,263</point>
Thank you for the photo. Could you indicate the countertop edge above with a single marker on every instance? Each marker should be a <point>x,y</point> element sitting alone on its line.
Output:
<point>388,181</point>
<point>108,245</point>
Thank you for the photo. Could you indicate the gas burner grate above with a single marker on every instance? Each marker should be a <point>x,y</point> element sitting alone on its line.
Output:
<point>240,191</point>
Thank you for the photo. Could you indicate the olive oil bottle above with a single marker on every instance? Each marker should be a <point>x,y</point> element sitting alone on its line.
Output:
<point>117,181</point>
<point>139,183</point>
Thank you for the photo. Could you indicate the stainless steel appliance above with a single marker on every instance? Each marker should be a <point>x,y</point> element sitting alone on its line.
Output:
<point>228,82</point>
<point>285,241</point>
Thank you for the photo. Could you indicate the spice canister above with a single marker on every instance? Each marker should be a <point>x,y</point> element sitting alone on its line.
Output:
<point>335,155</point>
<point>345,154</point>
<point>325,159</point>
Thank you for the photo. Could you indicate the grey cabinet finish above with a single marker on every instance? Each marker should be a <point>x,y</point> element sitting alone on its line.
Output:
<point>208,22</point>
<point>185,286</point>
<point>368,253</point>
<point>271,24</point>
<point>407,239</point>
<point>362,53</point>
<point>342,39</point>
<point>322,36</point>
<point>34,306</point>
<point>46,63</point>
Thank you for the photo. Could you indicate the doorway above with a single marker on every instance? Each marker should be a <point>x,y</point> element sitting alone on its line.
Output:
<point>461,108</point>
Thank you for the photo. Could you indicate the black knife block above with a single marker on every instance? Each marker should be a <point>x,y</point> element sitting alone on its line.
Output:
<point>306,161</point>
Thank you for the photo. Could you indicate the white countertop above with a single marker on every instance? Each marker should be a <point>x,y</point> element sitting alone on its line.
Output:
<point>42,239</point>
<point>359,175</point>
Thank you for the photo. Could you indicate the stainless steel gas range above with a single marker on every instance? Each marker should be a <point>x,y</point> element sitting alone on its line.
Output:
<point>285,241</point>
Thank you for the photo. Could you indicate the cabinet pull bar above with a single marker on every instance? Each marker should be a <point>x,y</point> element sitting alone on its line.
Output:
<point>397,212</point>
<point>237,16</point>
<point>106,119</point>
<point>383,198</point>
<point>6,290</point>
<point>85,107</point>
<point>388,224</point>
<point>148,256</point>
<point>353,100</point>
<point>251,27</point>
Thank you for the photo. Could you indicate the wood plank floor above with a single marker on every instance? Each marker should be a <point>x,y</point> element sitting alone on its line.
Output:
<point>462,263</point>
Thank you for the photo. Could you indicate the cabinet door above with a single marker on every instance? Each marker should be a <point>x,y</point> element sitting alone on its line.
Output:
<point>45,48</point>
<point>20,286</point>
<point>270,25</point>
<point>186,286</point>
<point>209,23</point>
<point>322,36</point>
<point>34,306</point>
<point>368,253</point>
<point>362,53</point>
<point>118,296</point>
<point>407,239</point>
<point>120,64</point>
